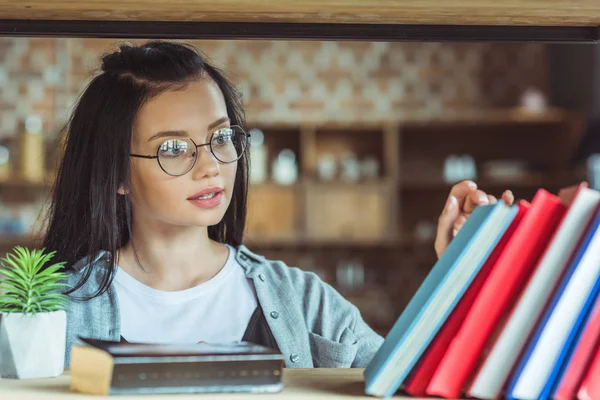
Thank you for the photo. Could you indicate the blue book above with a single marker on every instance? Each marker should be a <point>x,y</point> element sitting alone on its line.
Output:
<point>436,298</point>
<point>541,382</point>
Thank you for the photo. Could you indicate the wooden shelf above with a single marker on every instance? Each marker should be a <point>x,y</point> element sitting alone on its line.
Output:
<point>496,117</point>
<point>490,116</point>
<point>7,242</point>
<point>18,184</point>
<point>378,20</point>
<point>314,243</point>
<point>359,185</point>
<point>275,185</point>
<point>437,12</point>
<point>529,181</point>
<point>267,243</point>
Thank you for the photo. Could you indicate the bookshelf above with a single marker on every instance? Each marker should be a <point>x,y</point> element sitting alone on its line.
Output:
<point>381,228</point>
<point>411,156</point>
<point>388,222</point>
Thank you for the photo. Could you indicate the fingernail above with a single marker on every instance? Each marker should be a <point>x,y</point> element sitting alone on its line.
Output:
<point>450,203</point>
<point>483,199</point>
<point>511,193</point>
<point>472,184</point>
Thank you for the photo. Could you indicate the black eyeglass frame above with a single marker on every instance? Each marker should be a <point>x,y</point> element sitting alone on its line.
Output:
<point>247,135</point>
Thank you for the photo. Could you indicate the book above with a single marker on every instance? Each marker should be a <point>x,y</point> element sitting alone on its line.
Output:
<point>436,297</point>
<point>418,380</point>
<point>505,281</point>
<point>581,358</point>
<point>547,349</point>
<point>569,345</point>
<point>590,386</point>
<point>497,366</point>
<point>113,368</point>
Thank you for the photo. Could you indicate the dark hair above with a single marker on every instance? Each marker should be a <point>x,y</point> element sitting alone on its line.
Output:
<point>87,215</point>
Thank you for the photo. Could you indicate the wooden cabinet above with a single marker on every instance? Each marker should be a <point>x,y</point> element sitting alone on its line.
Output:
<point>409,190</point>
<point>349,213</point>
<point>274,212</point>
<point>351,202</point>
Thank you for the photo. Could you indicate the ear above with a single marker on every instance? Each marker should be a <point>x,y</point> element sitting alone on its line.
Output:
<point>122,190</point>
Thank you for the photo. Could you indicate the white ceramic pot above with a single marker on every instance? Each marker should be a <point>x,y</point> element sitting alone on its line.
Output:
<point>32,346</point>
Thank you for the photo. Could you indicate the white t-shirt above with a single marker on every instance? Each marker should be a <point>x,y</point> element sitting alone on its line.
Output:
<point>216,311</point>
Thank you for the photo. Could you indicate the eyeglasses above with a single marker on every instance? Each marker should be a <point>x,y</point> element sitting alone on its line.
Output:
<point>177,157</point>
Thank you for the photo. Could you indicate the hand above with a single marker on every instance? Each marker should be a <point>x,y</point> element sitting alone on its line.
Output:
<point>463,198</point>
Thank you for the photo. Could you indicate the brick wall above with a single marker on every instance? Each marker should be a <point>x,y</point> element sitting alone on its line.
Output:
<point>293,81</point>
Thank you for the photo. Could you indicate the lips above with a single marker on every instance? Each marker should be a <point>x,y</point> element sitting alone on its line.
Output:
<point>206,192</point>
<point>208,198</point>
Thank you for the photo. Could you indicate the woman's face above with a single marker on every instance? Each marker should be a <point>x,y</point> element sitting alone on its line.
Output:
<point>201,196</point>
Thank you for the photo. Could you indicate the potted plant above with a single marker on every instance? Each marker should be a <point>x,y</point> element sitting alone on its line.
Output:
<point>33,320</point>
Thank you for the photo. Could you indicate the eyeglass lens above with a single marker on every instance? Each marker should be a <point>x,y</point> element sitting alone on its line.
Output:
<point>177,156</point>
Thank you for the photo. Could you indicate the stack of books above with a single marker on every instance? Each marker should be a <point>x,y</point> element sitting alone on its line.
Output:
<point>511,308</point>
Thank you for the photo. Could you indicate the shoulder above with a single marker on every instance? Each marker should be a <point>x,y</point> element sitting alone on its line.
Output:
<point>89,273</point>
<point>317,298</point>
<point>299,280</point>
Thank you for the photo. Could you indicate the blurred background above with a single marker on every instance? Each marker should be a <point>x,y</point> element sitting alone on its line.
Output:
<point>355,145</point>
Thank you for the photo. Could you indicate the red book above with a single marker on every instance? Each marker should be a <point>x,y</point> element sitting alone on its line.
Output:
<point>567,196</point>
<point>590,387</point>
<point>581,358</point>
<point>507,278</point>
<point>417,383</point>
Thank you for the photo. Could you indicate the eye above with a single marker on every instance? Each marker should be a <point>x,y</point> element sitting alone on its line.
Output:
<point>222,137</point>
<point>174,148</point>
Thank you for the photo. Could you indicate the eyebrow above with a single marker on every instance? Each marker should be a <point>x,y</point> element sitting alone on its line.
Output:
<point>180,133</point>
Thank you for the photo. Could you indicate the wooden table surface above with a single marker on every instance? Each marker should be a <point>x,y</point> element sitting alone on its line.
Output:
<point>298,384</point>
<point>455,12</point>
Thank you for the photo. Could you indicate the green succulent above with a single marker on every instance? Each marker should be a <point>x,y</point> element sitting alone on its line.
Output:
<point>27,286</point>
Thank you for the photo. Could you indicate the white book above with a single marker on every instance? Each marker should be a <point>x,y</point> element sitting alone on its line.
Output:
<point>504,353</point>
<point>542,360</point>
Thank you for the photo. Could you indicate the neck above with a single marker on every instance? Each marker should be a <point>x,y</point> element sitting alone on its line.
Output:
<point>171,257</point>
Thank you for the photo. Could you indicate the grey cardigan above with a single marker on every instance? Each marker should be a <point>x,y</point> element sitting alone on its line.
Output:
<point>313,325</point>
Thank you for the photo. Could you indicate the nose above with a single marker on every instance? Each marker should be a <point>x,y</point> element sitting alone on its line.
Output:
<point>206,166</point>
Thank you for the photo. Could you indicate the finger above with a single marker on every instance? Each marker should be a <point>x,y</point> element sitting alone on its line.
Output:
<point>567,194</point>
<point>460,221</point>
<point>461,190</point>
<point>508,197</point>
<point>445,222</point>
<point>492,199</point>
<point>478,197</point>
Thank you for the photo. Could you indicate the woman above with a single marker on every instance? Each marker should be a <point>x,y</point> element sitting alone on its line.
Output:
<point>149,210</point>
